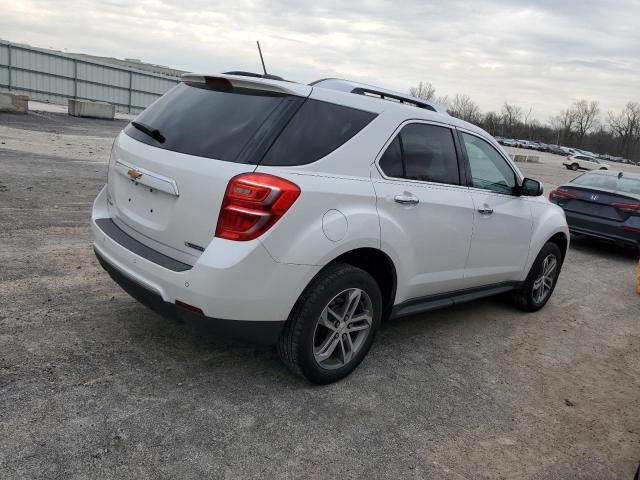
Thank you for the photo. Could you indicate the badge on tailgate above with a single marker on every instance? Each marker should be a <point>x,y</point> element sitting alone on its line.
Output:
<point>134,174</point>
<point>147,178</point>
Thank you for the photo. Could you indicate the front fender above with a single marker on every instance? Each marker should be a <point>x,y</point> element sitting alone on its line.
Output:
<point>548,220</point>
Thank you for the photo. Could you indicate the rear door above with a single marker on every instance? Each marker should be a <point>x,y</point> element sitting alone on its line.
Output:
<point>169,169</point>
<point>502,223</point>
<point>426,215</point>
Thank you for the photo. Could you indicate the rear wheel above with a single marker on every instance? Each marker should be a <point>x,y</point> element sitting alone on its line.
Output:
<point>541,281</point>
<point>574,166</point>
<point>333,324</point>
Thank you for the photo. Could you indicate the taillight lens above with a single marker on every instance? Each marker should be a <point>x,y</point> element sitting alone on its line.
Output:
<point>632,208</point>
<point>559,194</point>
<point>252,203</point>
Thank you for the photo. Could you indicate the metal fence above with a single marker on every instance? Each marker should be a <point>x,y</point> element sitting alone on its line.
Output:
<point>55,77</point>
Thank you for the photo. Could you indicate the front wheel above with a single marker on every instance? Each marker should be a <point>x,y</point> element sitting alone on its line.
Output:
<point>574,166</point>
<point>333,324</point>
<point>541,281</point>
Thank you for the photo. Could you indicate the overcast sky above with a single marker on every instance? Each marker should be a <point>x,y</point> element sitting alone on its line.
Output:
<point>543,54</point>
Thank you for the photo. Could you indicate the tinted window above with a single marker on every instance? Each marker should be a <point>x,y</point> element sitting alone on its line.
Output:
<point>489,170</point>
<point>205,122</point>
<point>429,154</point>
<point>422,152</point>
<point>316,130</point>
<point>391,160</point>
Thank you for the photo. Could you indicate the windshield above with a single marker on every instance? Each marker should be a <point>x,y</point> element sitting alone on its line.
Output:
<point>609,182</point>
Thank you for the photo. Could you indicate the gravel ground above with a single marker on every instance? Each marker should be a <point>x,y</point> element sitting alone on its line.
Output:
<point>93,385</point>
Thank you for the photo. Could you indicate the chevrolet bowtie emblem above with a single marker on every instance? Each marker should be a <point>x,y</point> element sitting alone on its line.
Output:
<point>134,174</point>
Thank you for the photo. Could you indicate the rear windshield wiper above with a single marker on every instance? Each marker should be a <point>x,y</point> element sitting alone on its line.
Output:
<point>152,132</point>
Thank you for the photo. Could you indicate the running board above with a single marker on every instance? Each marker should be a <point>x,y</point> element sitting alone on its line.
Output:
<point>434,302</point>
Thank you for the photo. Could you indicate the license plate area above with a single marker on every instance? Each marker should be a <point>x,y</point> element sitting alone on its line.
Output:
<point>144,205</point>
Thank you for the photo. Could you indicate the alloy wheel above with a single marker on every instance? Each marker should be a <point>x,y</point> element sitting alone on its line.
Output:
<point>342,328</point>
<point>543,285</point>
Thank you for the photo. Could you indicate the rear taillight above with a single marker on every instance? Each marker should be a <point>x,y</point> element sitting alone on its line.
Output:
<point>252,203</point>
<point>631,208</point>
<point>559,194</point>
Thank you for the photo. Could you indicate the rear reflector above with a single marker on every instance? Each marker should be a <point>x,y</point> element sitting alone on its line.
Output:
<point>252,203</point>
<point>559,194</point>
<point>191,308</point>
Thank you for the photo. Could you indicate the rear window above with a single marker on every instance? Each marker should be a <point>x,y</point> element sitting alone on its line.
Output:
<point>316,130</point>
<point>608,182</point>
<point>208,123</point>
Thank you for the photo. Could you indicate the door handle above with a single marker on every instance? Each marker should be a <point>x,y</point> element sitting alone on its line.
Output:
<point>406,199</point>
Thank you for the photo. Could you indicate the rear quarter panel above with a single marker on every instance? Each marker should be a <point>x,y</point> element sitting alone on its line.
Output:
<point>302,235</point>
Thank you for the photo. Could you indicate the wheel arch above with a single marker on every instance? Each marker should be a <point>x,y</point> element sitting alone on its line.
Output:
<point>562,241</point>
<point>377,264</point>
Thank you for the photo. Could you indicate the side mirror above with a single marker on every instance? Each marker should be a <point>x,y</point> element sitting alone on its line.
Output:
<point>531,188</point>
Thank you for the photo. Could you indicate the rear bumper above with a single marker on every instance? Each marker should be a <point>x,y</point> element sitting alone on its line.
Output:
<point>601,228</point>
<point>240,289</point>
<point>263,332</point>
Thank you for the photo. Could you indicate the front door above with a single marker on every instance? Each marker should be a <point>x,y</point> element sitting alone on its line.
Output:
<point>502,223</point>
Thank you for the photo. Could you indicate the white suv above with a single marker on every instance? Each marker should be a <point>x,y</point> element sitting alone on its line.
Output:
<point>304,215</point>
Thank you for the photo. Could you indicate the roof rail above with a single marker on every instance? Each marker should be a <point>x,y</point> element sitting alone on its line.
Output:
<point>391,96</point>
<point>376,92</point>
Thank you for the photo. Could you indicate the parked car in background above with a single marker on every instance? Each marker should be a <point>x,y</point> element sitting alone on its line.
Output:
<point>556,150</point>
<point>583,162</point>
<point>304,215</point>
<point>569,151</point>
<point>603,205</point>
<point>508,142</point>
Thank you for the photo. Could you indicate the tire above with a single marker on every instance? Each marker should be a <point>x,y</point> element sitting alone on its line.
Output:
<point>527,296</point>
<point>305,334</point>
<point>603,168</point>
<point>574,166</point>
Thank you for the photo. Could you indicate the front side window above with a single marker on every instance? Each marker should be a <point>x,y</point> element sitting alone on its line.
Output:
<point>489,171</point>
<point>422,152</point>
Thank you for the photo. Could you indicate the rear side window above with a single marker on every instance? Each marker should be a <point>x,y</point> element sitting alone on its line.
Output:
<point>422,152</point>
<point>391,160</point>
<point>207,123</point>
<point>316,130</point>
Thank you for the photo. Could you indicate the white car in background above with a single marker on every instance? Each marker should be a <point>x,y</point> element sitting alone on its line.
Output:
<point>584,162</point>
<point>304,215</point>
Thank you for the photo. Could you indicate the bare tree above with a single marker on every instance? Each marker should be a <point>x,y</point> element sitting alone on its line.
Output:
<point>511,117</point>
<point>491,122</point>
<point>465,109</point>
<point>527,117</point>
<point>565,122</point>
<point>586,114</point>
<point>626,126</point>
<point>425,91</point>
<point>444,101</point>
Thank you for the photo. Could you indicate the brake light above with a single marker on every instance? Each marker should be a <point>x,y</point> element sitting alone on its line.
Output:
<point>252,203</point>
<point>632,208</point>
<point>561,194</point>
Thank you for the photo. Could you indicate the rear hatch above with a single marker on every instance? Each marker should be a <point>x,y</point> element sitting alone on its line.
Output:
<point>169,169</point>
